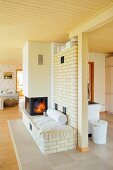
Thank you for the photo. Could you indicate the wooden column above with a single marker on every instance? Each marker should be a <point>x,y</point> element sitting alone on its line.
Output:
<point>82,92</point>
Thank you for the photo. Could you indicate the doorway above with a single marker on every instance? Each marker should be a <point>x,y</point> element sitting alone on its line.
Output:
<point>19,81</point>
<point>91,82</point>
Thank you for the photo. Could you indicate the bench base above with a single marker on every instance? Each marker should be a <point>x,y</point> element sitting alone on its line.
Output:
<point>50,142</point>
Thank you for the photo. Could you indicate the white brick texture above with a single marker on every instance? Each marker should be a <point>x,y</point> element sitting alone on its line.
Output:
<point>51,142</point>
<point>65,83</point>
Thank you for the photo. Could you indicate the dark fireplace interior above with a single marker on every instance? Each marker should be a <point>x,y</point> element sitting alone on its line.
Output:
<point>36,106</point>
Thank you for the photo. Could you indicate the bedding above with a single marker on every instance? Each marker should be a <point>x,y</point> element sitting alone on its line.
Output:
<point>46,124</point>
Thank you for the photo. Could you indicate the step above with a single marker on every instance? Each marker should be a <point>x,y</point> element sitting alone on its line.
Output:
<point>27,152</point>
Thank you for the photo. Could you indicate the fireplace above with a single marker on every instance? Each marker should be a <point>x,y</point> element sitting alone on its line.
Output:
<point>36,106</point>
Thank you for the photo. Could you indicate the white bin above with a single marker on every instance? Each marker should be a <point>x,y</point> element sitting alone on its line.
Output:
<point>99,131</point>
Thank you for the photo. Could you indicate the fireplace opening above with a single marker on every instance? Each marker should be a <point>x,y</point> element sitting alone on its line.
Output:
<point>36,106</point>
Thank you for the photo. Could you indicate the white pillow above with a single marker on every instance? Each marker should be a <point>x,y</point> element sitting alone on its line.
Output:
<point>57,116</point>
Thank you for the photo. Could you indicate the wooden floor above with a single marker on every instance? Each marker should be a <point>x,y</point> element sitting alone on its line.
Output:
<point>7,155</point>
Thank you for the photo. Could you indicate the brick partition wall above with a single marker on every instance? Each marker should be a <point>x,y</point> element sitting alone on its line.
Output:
<point>65,93</point>
<point>65,83</point>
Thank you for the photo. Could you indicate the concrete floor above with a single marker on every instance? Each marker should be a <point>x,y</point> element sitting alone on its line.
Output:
<point>99,157</point>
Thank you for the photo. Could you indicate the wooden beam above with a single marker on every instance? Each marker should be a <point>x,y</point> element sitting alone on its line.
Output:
<point>82,90</point>
<point>101,19</point>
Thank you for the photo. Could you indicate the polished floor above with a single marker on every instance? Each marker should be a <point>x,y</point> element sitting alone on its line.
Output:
<point>99,157</point>
<point>7,155</point>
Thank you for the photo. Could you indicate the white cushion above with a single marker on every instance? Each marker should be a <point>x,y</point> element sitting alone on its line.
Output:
<point>57,116</point>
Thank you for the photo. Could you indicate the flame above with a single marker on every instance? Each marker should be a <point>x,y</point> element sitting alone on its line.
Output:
<point>40,107</point>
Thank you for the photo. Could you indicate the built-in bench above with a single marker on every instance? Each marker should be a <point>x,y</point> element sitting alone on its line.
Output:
<point>50,140</point>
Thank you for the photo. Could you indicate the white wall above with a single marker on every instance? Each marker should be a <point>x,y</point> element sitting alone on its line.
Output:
<point>38,82</point>
<point>25,69</point>
<point>99,77</point>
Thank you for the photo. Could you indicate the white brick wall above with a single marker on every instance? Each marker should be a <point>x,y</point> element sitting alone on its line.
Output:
<point>65,83</point>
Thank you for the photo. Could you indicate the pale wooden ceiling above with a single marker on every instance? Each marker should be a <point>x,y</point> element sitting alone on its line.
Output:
<point>41,20</point>
<point>101,40</point>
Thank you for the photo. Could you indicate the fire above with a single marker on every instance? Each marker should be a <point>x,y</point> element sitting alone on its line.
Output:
<point>40,107</point>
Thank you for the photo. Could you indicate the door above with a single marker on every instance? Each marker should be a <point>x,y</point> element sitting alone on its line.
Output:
<point>109,89</point>
<point>91,82</point>
<point>19,81</point>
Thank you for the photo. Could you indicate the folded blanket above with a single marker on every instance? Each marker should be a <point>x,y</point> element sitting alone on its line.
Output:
<point>46,124</point>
